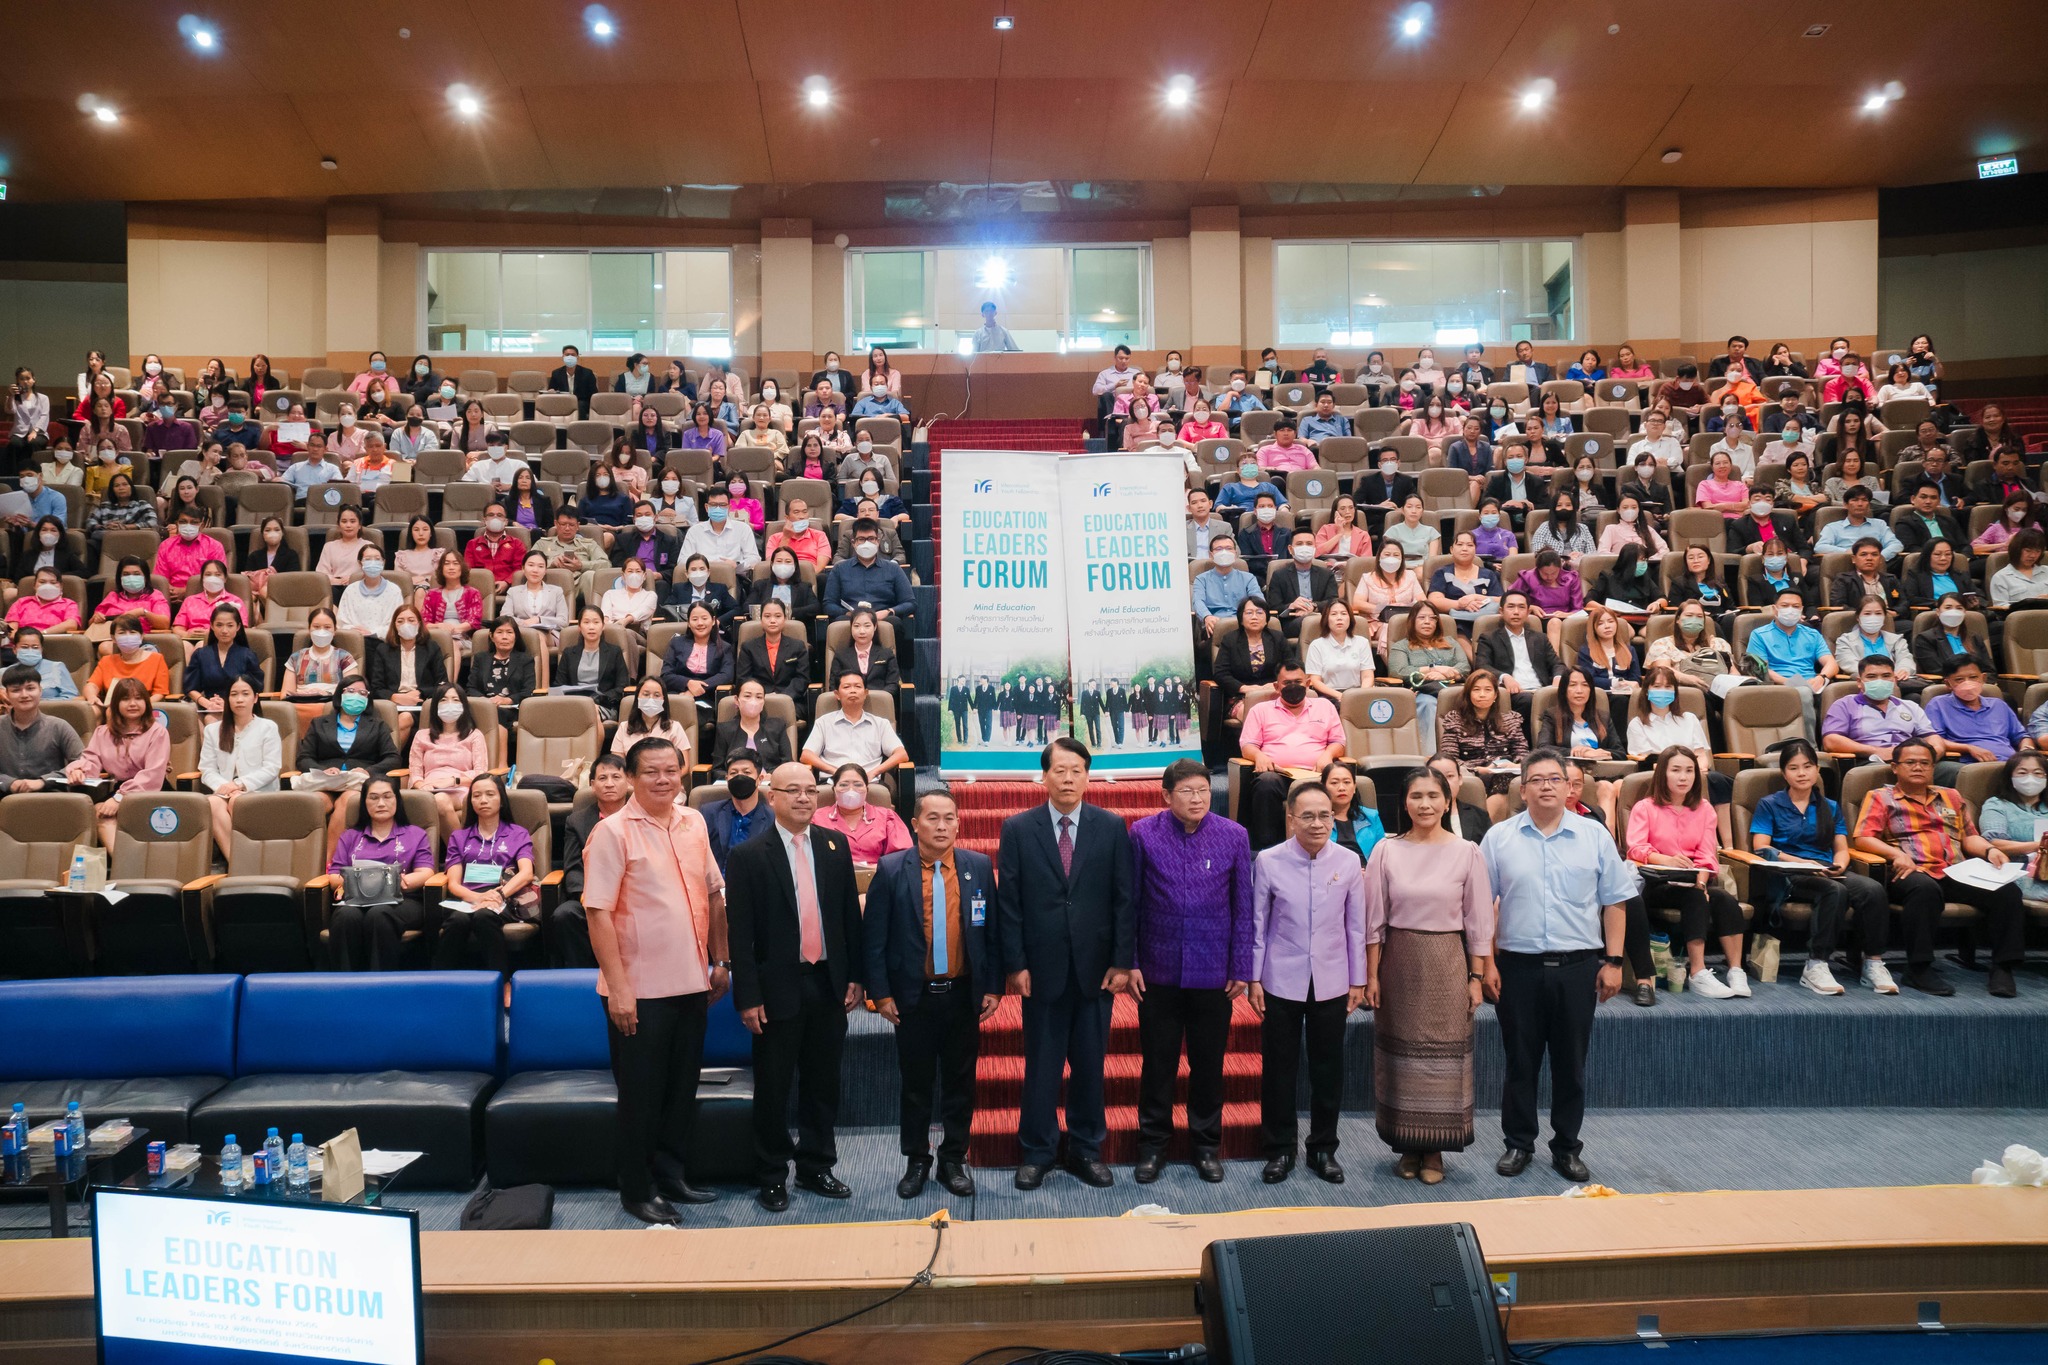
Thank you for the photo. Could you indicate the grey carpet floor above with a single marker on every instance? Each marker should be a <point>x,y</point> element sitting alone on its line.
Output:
<point>1636,1151</point>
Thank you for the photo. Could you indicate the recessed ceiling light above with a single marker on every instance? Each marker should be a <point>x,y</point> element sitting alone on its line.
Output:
<point>203,37</point>
<point>199,33</point>
<point>1816,30</point>
<point>1179,91</point>
<point>817,94</point>
<point>465,101</point>
<point>600,21</point>
<point>328,163</point>
<point>1414,19</point>
<point>1004,23</point>
<point>1537,94</point>
<point>1874,102</point>
<point>105,114</point>
<point>1672,157</point>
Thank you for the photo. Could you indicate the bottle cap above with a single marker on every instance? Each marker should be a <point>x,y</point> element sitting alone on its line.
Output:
<point>231,1138</point>
<point>298,1137</point>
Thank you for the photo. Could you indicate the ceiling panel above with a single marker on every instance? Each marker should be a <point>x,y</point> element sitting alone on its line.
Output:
<point>1210,40</point>
<point>1585,135</point>
<point>1372,133</point>
<point>1089,131</point>
<point>866,40</point>
<point>881,130</point>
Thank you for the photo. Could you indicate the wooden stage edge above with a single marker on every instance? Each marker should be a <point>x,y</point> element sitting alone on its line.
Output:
<point>1586,1268</point>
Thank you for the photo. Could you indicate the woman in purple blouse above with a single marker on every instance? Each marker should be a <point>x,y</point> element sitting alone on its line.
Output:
<point>369,937</point>
<point>490,871</point>
<point>1554,591</point>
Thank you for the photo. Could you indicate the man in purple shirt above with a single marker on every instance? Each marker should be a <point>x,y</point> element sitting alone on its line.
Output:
<point>1873,721</point>
<point>1978,728</point>
<point>1193,894</point>
<point>1308,973</point>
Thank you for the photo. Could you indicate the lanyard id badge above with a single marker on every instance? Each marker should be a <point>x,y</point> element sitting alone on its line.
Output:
<point>977,909</point>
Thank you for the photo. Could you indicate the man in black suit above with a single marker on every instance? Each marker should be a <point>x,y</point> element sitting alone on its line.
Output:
<point>932,972</point>
<point>1746,532</point>
<point>1117,703</point>
<point>1927,519</point>
<point>985,708</point>
<point>1091,713</point>
<point>1520,654</point>
<point>1535,373</point>
<point>794,913</point>
<point>1263,537</point>
<point>1063,899</point>
<point>1381,493</point>
<point>1298,587</point>
<point>956,707</point>
<point>572,376</point>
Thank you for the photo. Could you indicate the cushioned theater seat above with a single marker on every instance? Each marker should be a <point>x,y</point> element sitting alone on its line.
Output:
<point>554,1119</point>
<point>405,1058</point>
<point>147,1049</point>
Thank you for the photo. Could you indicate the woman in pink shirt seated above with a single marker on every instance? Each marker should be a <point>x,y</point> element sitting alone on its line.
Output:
<point>872,830</point>
<point>1203,425</point>
<point>1628,366</point>
<point>209,590</point>
<point>1284,452</point>
<point>1341,538</point>
<point>1555,592</point>
<point>447,751</point>
<point>130,748</point>
<point>1141,431</point>
<point>743,502</point>
<point>132,592</point>
<point>1674,827</point>
<point>1433,426</point>
<point>449,600</point>
<point>47,608</point>
<point>1722,490</point>
<point>189,547</point>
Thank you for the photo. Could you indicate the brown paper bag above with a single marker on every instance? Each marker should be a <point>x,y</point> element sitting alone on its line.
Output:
<point>95,866</point>
<point>341,1170</point>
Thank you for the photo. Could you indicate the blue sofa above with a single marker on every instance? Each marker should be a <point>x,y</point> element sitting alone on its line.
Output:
<point>553,1120</point>
<point>405,1058</point>
<point>145,1048</point>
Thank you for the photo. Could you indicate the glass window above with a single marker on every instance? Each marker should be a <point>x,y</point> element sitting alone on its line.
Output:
<point>1049,299</point>
<point>675,303</point>
<point>1422,293</point>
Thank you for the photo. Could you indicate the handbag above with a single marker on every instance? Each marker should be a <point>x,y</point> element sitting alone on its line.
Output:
<point>368,884</point>
<point>519,1208</point>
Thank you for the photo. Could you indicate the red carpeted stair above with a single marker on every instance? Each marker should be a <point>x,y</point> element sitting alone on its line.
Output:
<point>999,1079</point>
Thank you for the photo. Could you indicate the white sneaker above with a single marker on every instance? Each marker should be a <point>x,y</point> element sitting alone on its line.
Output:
<point>1738,982</point>
<point>1878,977</point>
<point>1818,979</point>
<point>1704,982</point>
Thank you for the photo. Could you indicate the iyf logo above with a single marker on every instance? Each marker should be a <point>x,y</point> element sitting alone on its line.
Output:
<point>219,1219</point>
<point>984,485</point>
<point>1101,491</point>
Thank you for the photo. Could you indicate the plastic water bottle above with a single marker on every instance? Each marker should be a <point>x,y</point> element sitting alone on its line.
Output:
<point>74,1119</point>
<point>231,1164</point>
<point>273,1148</point>
<point>14,1134</point>
<point>78,872</point>
<point>300,1177</point>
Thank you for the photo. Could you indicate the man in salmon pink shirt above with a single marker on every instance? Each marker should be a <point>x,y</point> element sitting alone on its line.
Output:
<point>1297,730</point>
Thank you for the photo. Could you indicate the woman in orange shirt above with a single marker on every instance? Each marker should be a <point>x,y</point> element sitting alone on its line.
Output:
<point>131,658</point>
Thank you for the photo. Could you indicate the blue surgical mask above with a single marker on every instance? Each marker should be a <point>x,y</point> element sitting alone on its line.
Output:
<point>167,411</point>
<point>1774,565</point>
<point>1489,519</point>
<point>1663,696</point>
<point>1517,465</point>
<point>377,365</point>
<point>717,515</point>
<point>354,703</point>
<point>1878,689</point>
<point>32,657</point>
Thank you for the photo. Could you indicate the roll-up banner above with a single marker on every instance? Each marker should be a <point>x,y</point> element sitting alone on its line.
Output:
<point>1128,632</point>
<point>1064,610</point>
<point>1002,611</point>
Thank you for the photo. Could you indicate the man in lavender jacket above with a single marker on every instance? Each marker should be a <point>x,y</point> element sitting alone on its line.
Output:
<point>1308,974</point>
<point>1193,894</point>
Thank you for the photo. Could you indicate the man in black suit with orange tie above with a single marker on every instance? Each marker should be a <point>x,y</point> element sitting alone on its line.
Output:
<point>1068,933</point>
<point>795,937</point>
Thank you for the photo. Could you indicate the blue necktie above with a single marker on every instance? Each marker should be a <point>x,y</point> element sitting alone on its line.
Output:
<point>938,919</point>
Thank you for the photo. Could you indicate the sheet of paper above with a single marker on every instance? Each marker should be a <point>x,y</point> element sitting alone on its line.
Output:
<point>1981,874</point>
<point>459,907</point>
<point>1619,607</point>
<point>378,1162</point>
<point>16,505</point>
<point>294,433</point>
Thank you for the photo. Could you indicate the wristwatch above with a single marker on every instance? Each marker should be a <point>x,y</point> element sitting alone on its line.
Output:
<point>1611,960</point>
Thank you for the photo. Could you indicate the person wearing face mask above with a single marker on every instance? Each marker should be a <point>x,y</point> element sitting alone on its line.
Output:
<point>377,370</point>
<point>800,536</point>
<point>868,579</point>
<point>368,604</point>
<point>45,503</point>
<point>1384,490</point>
<point>656,548</point>
<point>1949,633</point>
<point>750,732</point>
<point>871,831</point>
<point>697,585</point>
<point>1872,637</point>
<point>49,547</point>
<point>130,657</point>
<point>590,665</point>
<point>637,378</point>
<point>779,661</point>
<point>163,429</point>
<point>879,401</point>
<point>2015,819</point>
<point>1780,570</point>
<point>535,603</point>
<point>1849,379</point>
<point>130,593</point>
<point>1518,489</point>
<point>1282,737</point>
<point>1871,722</point>
<point>632,603</point>
<point>783,582</point>
<point>573,376</point>
<point>496,466</point>
<point>1765,528</point>
<point>1244,493</point>
<point>1974,725</point>
<point>1220,588</point>
<point>1300,586</point>
<point>721,535</point>
<point>405,667</point>
<point>1791,653</point>
<point>495,548</point>
<point>447,750</point>
<point>27,649</point>
<point>866,459</point>
<point>1265,536</point>
<point>180,557</point>
<point>414,436</point>
<point>209,593</point>
<point>1239,398</point>
<point>871,499</point>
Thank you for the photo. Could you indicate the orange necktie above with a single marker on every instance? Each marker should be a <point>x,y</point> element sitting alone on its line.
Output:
<point>810,920</point>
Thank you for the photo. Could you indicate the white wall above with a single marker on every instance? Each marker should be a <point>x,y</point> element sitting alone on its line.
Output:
<point>196,297</point>
<point>1775,280</point>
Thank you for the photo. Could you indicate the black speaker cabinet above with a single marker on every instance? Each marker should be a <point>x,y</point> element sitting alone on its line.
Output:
<point>1378,1296</point>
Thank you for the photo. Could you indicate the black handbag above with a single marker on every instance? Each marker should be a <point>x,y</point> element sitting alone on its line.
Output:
<point>368,884</point>
<point>518,1209</point>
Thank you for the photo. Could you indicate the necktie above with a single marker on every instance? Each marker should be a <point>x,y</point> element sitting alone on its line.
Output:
<point>1067,845</point>
<point>939,919</point>
<point>810,922</point>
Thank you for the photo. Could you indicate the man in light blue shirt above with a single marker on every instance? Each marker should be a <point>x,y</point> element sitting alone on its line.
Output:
<point>58,684</point>
<point>1221,587</point>
<point>1324,422</point>
<point>313,468</point>
<point>43,500</point>
<point>1557,955</point>
<point>1793,654</point>
<point>879,402</point>
<point>1840,537</point>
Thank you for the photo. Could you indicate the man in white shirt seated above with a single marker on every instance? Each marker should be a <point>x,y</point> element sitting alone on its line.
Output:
<point>722,535</point>
<point>1658,442</point>
<point>313,468</point>
<point>853,734</point>
<point>496,466</point>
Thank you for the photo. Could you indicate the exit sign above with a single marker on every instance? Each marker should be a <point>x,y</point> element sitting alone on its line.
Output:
<point>1992,167</point>
<point>3,190</point>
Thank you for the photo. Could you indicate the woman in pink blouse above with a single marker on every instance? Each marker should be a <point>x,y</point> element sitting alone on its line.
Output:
<point>1429,921</point>
<point>1675,827</point>
<point>1431,424</point>
<point>1628,366</point>
<point>130,748</point>
<point>871,830</point>
<point>209,590</point>
<point>447,751</point>
<point>1341,538</point>
<point>1202,424</point>
<point>449,600</point>
<point>743,502</point>
<point>1389,584</point>
<point>1722,490</point>
<point>1631,527</point>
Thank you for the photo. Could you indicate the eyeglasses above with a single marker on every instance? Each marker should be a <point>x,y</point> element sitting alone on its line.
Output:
<point>792,791</point>
<point>1315,818</point>
<point>1542,781</point>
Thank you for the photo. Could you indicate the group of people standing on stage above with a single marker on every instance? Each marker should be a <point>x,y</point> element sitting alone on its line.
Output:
<point>1154,709</point>
<point>1076,909</point>
<point>1027,709</point>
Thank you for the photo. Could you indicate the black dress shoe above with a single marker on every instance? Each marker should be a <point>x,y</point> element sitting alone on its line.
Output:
<point>2001,984</point>
<point>1208,1167</point>
<point>1091,1172</point>
<point>1512,1162</point>
<point>1030,1177</point>
<point>1568,1165</point>
<point>678,1192</point>
<point>1646,993</point>
<point>953,1175</point>
<point>915,1173</point>
<point>653,1209</point>
<point>826,1184</point>
<point>774,1198</point>
<point>1149,1167</point>
<point>1325,1165</point>
<point>1278,1168</point>
<point>1924,977</point>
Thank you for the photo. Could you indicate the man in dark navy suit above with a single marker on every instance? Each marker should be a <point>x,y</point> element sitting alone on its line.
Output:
<point>1063,901</point>
<point>932,972</point>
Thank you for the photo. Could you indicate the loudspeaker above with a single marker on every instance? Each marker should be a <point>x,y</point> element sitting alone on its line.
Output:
<point>1377,1296</point>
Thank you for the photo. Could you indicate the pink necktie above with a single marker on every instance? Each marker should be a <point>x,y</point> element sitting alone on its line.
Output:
<point>810,920</point>
<point>1067,845</point>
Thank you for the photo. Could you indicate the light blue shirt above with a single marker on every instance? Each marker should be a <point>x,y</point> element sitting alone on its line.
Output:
<point>58,684</point>
<point>866,406</point>
<point>1839,537</point>
<point>1795,655</point>
<point>1552,888</point>
<point>47,502</point>
<point>1315,428</point>
<point>1219,594</point>
<point>303,475</point>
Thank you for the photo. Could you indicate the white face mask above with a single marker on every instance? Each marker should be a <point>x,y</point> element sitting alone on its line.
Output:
<point>50,539</point>
<point>1390,564</point>
<point>187,531</point>
<point>1872,625</point>
<point>152,368</point>
<point>48,592</point>
<point>408,630</point>
<point>348,419</point>
<point>699,577</point>
<point>1173,366</point>
<point>450,711</point>
<point>1760,509</point>
<point>634,580</point>
<point>651,706</point>
<point>494,525</point>
<point>783,570</point>
<point>799,525</point>
<point>1237,386</point>
<point>643,524</point>
<point>1304,553</point>
<point>63,455</point>
<point>321,636</point>
<point>1951,617</point>
<point>1407,386</point>
<point>864,445</point>
<point>1223,559</point>
<point>213,583</point>
<point>1788,617</point>
<point>2029,784</point>
<point>1390,468</point>
<point>127,644</point>
<point>1585,475</point>
<point>852,798</point>
<point>1628,514</point>
<point>1266,515</point>
<point>866,549</point>
<point>671,486</point>
<point>30,483</point>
